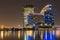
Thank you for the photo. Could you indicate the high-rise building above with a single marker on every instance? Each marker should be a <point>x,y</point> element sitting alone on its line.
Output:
<point>49,18</point>
<point>48,15</point>
<point>45,8</point>
<point>27,9</point>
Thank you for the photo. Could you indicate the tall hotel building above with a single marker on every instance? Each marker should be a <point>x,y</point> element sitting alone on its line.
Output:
<point>27,9</point>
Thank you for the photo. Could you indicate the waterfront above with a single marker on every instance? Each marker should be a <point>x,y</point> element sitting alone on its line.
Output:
<point>14,35</point>
<point>18,35</point>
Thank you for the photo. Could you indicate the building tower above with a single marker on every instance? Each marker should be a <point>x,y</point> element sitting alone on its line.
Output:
<point>27,9</point>
<point>48,15</point>
<point>49,18</point>
<point>49,33</point>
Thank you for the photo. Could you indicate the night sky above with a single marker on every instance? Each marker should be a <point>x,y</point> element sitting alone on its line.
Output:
<point>11,11</point>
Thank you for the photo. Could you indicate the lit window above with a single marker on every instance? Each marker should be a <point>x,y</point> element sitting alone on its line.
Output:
<point>46,24</point>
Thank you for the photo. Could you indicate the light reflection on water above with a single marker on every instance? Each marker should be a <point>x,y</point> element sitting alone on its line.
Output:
<point>11,35</point>
<point>18,35</point>
<point>8,35</point>
<point>15,35</point>
<point>1,34</point>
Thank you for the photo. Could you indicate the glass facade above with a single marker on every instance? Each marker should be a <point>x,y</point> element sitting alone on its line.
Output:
<point>49,18</point>
<point>35,20</point>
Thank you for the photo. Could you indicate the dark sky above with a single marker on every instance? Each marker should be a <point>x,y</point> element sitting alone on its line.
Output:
<point>11,11</point>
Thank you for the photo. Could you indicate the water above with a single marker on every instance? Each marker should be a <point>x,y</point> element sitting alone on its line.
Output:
<point>16,35</point>
<point>10,35</point>
<point>21,35</point>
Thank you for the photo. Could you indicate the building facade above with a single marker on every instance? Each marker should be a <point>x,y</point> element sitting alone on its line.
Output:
<point>27,9</point>
<point>49,18</point>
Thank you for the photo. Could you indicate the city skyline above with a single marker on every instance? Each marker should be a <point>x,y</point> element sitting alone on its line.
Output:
<point>11,11</point>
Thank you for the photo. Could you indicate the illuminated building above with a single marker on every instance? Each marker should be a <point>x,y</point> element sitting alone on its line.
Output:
<point>43,19</point>
<point>35,19</point>
<point>27,9</point>
<point>49,18</point>
<point>45,8</point>
<point>47,12</point>
<point>2,26</point>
